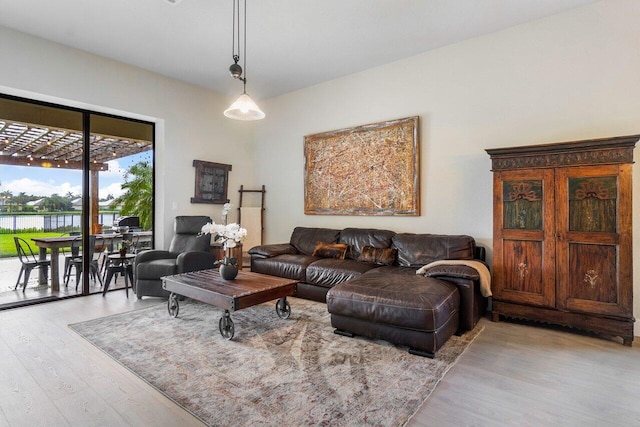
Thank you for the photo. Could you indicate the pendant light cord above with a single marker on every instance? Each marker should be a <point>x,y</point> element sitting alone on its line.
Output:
<point>235,54</point>
<point>245,44</point>
<point>236,36</point>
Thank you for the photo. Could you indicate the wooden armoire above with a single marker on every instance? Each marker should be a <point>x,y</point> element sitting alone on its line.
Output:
<point>562,241</point>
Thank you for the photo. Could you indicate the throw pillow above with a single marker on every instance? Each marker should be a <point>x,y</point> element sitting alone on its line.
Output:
<point>382,256</point>
<point>330,250</point>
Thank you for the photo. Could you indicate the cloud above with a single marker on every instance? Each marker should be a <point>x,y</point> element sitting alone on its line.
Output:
<point>40,188</point>
<point>47,188</point>
<point>45,182</point>
<point>113,189</point>
<point>115,170</point>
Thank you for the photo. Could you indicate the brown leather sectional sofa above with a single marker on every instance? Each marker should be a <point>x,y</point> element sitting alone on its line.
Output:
<point>368,279</point>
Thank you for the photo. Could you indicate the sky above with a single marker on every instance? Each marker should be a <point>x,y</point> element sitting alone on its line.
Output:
<point>44,182</point>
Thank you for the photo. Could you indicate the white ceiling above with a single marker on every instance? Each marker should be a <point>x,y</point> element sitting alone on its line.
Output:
<point>291,44</point>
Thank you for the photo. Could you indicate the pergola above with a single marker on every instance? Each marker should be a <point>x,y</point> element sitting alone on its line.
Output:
<point>37,145</point>
<point>25,144</point>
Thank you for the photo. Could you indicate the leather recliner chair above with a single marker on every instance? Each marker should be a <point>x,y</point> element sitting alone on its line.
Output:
<point>188,251</point>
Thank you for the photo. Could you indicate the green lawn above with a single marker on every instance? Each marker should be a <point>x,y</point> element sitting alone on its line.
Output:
<point>8,246</point>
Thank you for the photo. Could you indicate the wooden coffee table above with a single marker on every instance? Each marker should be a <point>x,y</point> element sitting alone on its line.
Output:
<point>246,290</point>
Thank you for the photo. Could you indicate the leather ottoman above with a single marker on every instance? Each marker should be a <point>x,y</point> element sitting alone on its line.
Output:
<point>415,311</point>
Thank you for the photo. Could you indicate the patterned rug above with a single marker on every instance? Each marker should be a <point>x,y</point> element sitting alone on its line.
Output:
<point>274,371</point>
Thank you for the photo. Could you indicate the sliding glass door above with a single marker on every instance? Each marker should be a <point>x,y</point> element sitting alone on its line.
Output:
<point>120,194</point>
<point>74,185</point>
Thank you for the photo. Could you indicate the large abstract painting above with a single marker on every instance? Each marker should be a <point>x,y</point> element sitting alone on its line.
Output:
<point>365,170</point>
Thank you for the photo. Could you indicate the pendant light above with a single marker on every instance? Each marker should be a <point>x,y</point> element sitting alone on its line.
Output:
<point>243,108</point>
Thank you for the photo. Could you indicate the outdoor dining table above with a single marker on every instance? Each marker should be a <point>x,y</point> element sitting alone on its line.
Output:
<point>56,243</point>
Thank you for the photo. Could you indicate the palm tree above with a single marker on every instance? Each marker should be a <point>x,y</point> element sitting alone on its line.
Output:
<point>138,198</point>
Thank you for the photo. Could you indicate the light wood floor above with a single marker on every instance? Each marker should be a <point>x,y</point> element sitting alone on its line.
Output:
<point>512,375</point>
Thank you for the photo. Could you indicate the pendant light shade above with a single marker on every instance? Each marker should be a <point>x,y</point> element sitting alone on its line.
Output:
<point>244,109</point>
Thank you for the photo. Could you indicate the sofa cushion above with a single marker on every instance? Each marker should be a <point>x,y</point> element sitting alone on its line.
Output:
<point>272,250</point>
<point>328,272</point>
<point>292,267</point>
<point>416,250</point>
<point>330,250</point>
<point>357,238</point>
<point>156,268</point>
<point>380,256</point>
<point>413,302</point>
<point>305,239</point>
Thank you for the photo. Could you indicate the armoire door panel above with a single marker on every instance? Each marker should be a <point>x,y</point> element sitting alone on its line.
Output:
<point>523,266</point>
<point>523,277</point>
<point>592,273</point>
<point>592,204</point>
<point>524,210</point>
<point>522,204</point>
<point>590,246</point>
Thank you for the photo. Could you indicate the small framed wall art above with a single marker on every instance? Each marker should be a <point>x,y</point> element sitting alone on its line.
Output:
<point>212,182</point>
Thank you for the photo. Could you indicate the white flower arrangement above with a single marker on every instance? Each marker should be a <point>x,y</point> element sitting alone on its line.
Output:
<point>227,235</point>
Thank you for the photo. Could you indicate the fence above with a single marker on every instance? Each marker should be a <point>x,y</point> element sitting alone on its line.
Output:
<point>10,224</point>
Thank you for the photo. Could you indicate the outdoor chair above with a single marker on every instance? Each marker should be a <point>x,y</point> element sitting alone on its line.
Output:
<point>189,251</point>
<point>93,264</point>
<point>74,252</point>
<point>108,248</point>
<point>29,262</point>
<point>106,263</point>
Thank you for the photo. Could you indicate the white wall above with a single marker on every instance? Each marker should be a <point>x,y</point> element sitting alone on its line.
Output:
<point>189,120</point>
<point>568,77</point>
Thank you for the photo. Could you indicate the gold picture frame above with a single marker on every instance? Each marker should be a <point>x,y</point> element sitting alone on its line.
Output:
<point>371,169</point>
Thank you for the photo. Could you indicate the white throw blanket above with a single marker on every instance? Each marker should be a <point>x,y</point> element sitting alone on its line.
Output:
<point>481,268</point>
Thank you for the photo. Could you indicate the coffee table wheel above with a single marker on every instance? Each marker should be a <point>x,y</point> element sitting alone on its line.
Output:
<point>226,326</point>
<point>283,308</point>
<point>172,305</point>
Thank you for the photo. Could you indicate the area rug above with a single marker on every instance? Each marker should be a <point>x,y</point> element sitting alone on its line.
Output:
<point>274,371</point>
